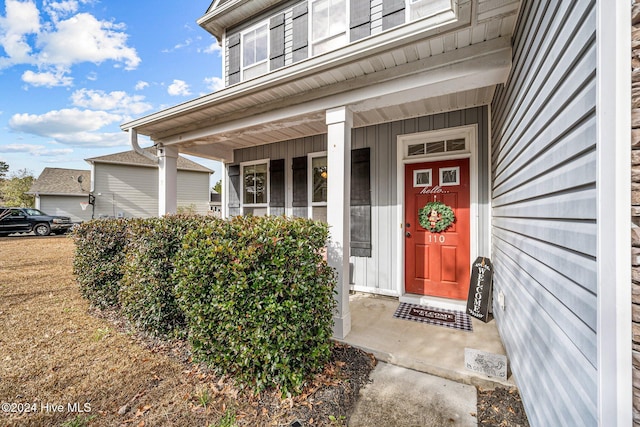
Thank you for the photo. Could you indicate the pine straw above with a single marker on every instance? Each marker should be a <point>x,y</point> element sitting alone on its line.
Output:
<point>54,350</point>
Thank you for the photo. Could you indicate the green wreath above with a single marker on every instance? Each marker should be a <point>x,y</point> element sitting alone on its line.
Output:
<point>438,222</point>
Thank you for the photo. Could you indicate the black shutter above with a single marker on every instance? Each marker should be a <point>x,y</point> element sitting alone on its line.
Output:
<point>360,20</point>
<point>276,43</point>
<point>234,190</point>
<point>361,202</point>
<point>276,186</point>
<point>300,32</point>
<point>234,58</point>
<point>392,13</point>
<point>299,166</point>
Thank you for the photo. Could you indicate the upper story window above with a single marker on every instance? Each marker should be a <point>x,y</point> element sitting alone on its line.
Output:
<point>328,25</point>
<point>255,51</point>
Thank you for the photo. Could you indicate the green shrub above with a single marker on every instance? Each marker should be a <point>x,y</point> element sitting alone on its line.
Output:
<point>99,257</point>
<point>258,298</point>
<point>147,288</point>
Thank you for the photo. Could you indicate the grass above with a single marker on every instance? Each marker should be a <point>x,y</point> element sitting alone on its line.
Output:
<point>56,352</point>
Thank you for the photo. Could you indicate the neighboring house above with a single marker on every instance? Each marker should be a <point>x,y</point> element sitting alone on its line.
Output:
<point>515,114</point>
<point>63,192</point>
<point>126,185</point>
<point>215,204</point>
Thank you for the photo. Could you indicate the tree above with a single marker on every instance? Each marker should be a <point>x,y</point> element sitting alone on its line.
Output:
<point>218,187</point>
<point>13,189</point>
<point>4,170</point>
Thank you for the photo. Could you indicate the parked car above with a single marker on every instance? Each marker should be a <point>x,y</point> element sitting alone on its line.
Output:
<point>25,220</point>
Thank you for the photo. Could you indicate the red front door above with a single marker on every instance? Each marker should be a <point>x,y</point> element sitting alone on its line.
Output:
<point>437,264</point>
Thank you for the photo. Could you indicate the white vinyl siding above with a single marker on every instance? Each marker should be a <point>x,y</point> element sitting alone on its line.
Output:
<point>66,206</point>
<point>544,212</point>
<point>193,191</point>
<point>127,190</point>
<point>132,191</point>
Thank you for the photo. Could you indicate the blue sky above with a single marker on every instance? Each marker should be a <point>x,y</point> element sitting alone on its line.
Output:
<point>72,71</point>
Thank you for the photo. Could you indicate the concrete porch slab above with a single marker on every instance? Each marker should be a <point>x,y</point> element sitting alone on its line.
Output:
<point>431,349</point>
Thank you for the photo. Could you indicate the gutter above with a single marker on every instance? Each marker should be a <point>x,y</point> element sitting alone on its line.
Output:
<point>133,140</point>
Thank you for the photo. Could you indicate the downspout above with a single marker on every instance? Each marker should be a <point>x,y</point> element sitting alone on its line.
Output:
<point>133,140</point>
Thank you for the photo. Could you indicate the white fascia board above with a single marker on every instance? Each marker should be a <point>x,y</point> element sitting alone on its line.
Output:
<point>462,69</point>
<point>371,46</point>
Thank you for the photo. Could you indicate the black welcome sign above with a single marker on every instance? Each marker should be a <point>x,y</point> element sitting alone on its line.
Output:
<point>479,298</point>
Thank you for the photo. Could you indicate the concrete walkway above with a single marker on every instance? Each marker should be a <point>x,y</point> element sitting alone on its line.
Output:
<point>421,379</point>
<point>401,397</point>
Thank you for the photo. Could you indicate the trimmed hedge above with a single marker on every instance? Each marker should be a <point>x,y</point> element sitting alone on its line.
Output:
<point>258,298</point>
<point>254,293</point>
<point>99,259</point>
<point>147,290</point>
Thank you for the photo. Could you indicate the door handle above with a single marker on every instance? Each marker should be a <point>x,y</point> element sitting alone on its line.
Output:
<point>407,234</point>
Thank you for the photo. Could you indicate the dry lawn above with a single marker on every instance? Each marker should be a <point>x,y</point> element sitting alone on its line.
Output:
<point>54,354</point>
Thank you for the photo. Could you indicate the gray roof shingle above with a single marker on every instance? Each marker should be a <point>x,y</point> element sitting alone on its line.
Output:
<point>134,159</point>
<point>62,181</point>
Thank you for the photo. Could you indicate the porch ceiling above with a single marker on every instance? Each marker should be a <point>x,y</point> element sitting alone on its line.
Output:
<point>406,72</point>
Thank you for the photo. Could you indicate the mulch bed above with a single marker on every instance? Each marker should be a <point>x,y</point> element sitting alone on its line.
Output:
<point>501,407</point>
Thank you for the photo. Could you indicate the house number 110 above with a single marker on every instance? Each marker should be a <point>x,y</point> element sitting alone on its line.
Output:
<point>436,238</point>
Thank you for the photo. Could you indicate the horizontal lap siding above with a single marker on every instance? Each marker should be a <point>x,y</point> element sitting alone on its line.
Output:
<point>193,190</point>
<point>544,212</point>
<point>66,206</point>
<point>135,190</point>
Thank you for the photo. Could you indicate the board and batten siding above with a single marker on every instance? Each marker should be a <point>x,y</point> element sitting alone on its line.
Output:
<point>544,212</point>
<point>377,274</point>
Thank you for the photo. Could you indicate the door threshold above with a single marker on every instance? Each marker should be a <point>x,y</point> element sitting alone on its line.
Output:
<point>435,302</point>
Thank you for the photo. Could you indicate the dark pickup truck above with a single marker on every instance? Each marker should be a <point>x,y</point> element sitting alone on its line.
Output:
<point>25,220</point>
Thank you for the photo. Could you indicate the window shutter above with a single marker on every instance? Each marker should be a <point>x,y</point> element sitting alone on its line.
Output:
<point>392,13</point>
<point>276,186</point>
<point>234,190</point>
<point>300,32</point>
<point>299,167</point>
<point>234,58</point>
<point>360,20</point>
<point>361,202</point>
<point>276,43</point>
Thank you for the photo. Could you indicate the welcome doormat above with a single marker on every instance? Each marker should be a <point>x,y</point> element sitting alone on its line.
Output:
<point>434,316</point>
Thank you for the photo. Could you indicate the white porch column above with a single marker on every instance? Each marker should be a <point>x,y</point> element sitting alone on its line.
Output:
<point>167,180</point>
<point>339,123</point>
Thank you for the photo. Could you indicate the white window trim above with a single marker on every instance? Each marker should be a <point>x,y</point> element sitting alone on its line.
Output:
<point>242,46</point>
<point>311,203</point>
<point>268,185</point>
<point>313,42</point>
<point>465,132</point>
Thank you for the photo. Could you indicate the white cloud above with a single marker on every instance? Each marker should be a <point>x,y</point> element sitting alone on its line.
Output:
<point>117,101</point>
<point>47,78</point>
<point>21,19</point>
<point>36,150</point>
<point>82,38</point>
<point>213,48</point>
<point>178,88</point>
<point>58,9</point>
<point>214,83</point>
<point>141,85</point>
<point>73,127</point>
<point>68,39</point>
<point>58,124</point>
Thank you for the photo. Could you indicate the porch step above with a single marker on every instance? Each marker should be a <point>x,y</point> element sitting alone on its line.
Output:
<point>430,349</point>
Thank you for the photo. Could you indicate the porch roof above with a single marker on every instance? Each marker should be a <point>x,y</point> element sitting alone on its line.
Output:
<point>410,71</point>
